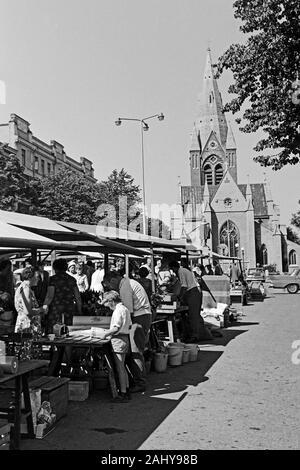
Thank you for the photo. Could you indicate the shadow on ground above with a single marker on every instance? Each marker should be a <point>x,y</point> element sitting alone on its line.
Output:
<point>101,425</point>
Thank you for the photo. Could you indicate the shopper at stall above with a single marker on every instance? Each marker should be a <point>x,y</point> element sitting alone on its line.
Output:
<point>81,279</point>
<point>148,265</point>
<point>209,270</point>
<point>27,307</point>
<point>63,298</point>
<point>119,329</point>
<point>145,281</point>
<point>41,287</point>
<point>97,278</point>
<point>135,298</point>
<point>192,296</point>
<point>89,271</point>
<point>217,268</point>
<point>72,268</point>
<point>7,310</point>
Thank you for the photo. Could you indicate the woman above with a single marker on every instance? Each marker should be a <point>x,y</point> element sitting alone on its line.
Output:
<point>118,332</point>
<point>27,307</point>
<point>81,279</point>
<point>7,311</point>
<point>63,298</point>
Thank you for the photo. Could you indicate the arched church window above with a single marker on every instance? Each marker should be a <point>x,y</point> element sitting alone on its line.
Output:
<point>218,173</point>
<point>292,257</point>
<point>208,174</point>
<point>229,236</point>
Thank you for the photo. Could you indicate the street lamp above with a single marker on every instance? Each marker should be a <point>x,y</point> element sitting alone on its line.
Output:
<point>144,128</point>
<point>243,257</point>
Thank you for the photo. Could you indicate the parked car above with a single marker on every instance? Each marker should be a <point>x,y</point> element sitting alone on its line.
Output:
<point>255,274</point>
<point>291,281</point>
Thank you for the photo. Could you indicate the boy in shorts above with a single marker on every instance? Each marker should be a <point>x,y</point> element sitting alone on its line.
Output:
<point>119,332</point>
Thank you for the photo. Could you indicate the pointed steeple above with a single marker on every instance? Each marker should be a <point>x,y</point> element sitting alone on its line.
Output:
<point>211,116</point>
<point>230,141</point>
<point>195,140</point>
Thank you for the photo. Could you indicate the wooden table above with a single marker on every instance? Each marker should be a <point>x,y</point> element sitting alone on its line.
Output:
<point>169,315</point>
<point>61,346</point>
<point>21,385</point>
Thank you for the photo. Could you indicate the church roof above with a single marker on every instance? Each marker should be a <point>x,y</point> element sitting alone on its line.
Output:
<point>194,195</point>
<point>258,198</point>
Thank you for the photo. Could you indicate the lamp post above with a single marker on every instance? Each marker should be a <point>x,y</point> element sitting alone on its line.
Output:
<point>243,257</point>
<point>144,127</point>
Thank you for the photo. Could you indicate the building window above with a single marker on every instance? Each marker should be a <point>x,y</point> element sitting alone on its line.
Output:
<point>36,163</point>
<point>229,236</point>
<point>43,167</point>
<point>292,257</point>
<point>23,152</point>
<point>208,174</point>
<point>49,168</point>
<point>218,173</point>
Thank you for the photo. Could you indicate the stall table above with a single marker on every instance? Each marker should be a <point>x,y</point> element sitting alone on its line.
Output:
<point>21,385</point>
<point>169,315</point>
<point>61,346</point>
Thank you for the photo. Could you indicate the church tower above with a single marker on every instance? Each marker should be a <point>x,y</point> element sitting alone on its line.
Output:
<point>212,145</point>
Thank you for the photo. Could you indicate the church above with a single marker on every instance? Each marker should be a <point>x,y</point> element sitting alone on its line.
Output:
<point>219,213</point>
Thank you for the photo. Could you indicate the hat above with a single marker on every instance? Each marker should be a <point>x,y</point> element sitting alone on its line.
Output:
<point>71,263</point>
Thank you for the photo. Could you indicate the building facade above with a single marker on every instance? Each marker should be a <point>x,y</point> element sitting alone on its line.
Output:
<point>39,158</point>
<point>244,220</point>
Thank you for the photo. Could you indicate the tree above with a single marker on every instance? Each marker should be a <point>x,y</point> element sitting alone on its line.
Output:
<point>71,197</point>
<point>121,193</point>
<point>16,189</point>
<point>266,82</point>
<point>67,196</point>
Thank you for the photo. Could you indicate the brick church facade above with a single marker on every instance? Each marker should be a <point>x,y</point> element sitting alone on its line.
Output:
<point>243,219</point>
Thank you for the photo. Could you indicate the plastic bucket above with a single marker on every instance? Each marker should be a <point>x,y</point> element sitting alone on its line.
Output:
<point>193,352</point>
<point>160,362</point>
<point>175,355</point>
<point>186,355</point>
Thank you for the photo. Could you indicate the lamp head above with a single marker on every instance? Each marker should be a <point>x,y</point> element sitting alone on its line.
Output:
<point>161,117</point>
<point>145,126</point>
<point>118,122</point>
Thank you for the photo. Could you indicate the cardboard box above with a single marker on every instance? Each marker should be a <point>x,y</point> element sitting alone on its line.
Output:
<point>55,390</point>
<point>78,390</point>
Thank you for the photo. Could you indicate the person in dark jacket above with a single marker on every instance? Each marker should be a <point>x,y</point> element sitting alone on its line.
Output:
<point>40,290</point>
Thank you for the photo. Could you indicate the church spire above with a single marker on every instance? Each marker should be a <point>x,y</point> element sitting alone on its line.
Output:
<point>211,116</point>
<point>195,140</point>
<point>230,141</point>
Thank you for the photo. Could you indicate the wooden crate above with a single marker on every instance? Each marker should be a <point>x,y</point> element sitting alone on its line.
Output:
<point>56,391</point>
<point>78,390</point>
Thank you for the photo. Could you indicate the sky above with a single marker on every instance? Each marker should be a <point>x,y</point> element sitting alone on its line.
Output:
<point>72,67</point>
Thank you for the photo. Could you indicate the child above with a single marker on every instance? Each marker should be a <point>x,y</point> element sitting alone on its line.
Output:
<point>119,331</point>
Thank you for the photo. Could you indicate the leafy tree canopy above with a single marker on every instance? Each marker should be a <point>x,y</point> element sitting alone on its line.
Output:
<point>15,188</point>
<point>266,81</point>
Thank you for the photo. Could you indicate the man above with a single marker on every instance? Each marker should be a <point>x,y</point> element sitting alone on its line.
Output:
<point>134,297</point>
<point>192,296</point>
<point>148,265</point>
<point>72,268</point>
<point>41,287</point>
<point>89,271</point>
<point>97,277</point>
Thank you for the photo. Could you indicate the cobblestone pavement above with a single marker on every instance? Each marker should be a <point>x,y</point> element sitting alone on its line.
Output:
<point>242,394</point>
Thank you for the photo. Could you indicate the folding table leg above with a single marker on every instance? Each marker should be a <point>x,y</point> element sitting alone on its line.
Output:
<point>111,377</point>
<point>15,433</point>
<point>170,331</point>
<point>28,408</point>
